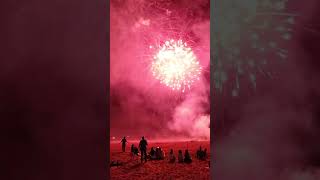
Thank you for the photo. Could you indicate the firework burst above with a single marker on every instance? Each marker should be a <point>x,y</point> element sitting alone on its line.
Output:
<point>172,41</point>
<point>175,65</point>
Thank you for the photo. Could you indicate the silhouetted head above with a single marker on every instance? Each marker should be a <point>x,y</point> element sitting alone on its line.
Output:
<point>171,150</point>
<point>180,151</point>
<point>124,137</point>
<point>142,138</point>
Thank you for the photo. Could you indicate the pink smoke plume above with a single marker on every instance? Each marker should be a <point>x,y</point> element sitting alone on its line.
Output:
<point>192,116</point>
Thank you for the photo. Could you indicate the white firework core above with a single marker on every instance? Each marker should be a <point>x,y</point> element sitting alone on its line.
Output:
<point>175,65</point>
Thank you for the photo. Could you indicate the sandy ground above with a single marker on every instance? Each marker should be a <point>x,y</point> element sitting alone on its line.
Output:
<point>161,169</point>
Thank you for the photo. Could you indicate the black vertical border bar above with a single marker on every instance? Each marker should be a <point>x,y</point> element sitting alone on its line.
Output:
<point>107,86</point>
<point>212,114</point>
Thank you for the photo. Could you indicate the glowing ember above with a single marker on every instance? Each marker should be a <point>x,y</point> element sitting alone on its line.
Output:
<point>175,65</point>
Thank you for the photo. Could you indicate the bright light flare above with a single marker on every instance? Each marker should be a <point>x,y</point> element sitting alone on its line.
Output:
<point>175,65</point>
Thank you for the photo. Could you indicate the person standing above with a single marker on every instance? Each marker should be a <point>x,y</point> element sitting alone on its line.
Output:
<point>172,157</point>
<point>124,142</point>
<point>143,148</point>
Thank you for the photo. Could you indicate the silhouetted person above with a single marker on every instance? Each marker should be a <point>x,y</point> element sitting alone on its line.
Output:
<point>143,148</point>
<point>158,153</point>
<point>205,153</point>
<point>162,155</point>
<point>187,157</point>
<point>153,153</point>
<point>199,152</point>
<point>172,158</point>
<point>180,157</point>
<point>124,142</point>
<point>134,151</point>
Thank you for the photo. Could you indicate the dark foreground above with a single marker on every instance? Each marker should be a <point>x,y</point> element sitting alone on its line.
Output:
<point>160,169</point>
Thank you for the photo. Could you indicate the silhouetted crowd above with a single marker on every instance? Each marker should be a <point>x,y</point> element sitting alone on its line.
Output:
<point>157,153</point>
<point>202,154</point>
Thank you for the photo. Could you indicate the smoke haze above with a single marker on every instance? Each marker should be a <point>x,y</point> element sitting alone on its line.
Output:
<point>140,105</point>
<point>273,133</point>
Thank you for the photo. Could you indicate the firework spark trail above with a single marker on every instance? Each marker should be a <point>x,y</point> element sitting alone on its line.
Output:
<point>179,63</point>
<point>139,24</point>
<point>161,22</point>
<point>175,65</point>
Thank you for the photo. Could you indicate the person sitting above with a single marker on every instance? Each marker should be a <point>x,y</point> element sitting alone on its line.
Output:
<point>187,157</point>
<point>158,153</point>
<point>152,154</point>
<point>134,151</point>
<point>204,154</point>
<point>199,152</point>
<point>180,157</point>
<point>162,154</point>
<point>172,158</point>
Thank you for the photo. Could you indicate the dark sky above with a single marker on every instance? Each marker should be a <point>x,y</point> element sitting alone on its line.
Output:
<point>53,81</point>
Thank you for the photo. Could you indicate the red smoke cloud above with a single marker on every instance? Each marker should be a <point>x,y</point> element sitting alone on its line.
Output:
<point>140,105</point>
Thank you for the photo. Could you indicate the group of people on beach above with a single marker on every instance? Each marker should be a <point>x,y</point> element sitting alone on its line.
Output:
<point>186,158</point>
<point>158,154</point>
<point>202,154</point>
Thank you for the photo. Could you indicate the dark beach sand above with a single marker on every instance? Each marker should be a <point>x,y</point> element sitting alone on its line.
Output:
<point>132,168</point>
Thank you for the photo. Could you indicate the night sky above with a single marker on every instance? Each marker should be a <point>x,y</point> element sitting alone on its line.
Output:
<point>53,89</point>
